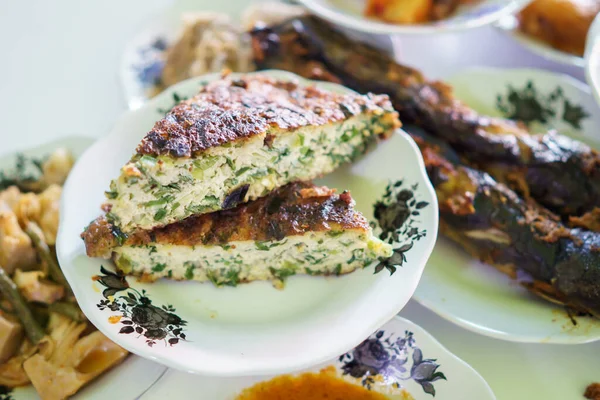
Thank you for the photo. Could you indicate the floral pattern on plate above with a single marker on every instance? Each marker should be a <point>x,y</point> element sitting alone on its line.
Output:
<point>529,104</point>
<point>150,63</point>
<point>396,215</point>
<point>5,393</point>
<point>137,314</point>
<point>394,358</point>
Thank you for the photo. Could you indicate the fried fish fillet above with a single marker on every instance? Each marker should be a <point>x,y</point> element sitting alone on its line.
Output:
<point>297,229</point>
<point>238,140</point>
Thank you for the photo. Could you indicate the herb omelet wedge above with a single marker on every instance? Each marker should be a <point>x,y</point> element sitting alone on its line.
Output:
<point>238,140</point>
<point>297,229</point>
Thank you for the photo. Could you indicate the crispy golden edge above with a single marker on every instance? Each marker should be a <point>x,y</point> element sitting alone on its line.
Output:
<point>228,110</point>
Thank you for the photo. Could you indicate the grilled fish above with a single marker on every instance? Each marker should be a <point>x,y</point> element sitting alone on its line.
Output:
<point>517,236</point>
<point>556,171</point>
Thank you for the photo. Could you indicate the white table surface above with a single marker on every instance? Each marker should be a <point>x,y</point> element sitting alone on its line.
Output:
<point>59,78</point>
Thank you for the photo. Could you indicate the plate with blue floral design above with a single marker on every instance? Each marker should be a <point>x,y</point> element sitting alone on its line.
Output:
<point>252,328</point>
<point>476,296</point>
<point>400,360</point>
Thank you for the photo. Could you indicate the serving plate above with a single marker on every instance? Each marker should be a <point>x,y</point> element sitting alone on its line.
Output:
<point>253,328</point>
<point>135,375</point>
<point>509,25</point>
<point>476,296</point>
<point>422,367</point>
<point>349,14</point>
<point>143,59</point>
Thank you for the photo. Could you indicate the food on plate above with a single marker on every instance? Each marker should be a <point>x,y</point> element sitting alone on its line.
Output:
<point>297,229</point>
<point>412,11</point>
<point>558,172</point>
<point>507,228</point>
<point>238,140</point>
<point>592,392</point>
<point>324,385</point>
<point>210,42</point>
<point>517,236</point>
<point>44,338</point>
<point>563,24</point>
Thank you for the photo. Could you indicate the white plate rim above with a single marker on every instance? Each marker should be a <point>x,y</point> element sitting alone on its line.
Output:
<point>373,26</point>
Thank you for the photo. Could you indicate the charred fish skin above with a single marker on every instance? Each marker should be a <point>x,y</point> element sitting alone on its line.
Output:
<point>498,227</point>
<point>556,171</point>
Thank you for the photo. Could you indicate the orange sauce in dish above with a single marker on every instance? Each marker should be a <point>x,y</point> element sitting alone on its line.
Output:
<point>324,385</point>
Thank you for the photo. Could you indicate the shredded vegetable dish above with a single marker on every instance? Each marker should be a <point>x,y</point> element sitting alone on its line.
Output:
<point>45,340</point>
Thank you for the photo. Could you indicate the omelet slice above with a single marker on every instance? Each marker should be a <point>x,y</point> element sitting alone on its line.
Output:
<point>238,140</point>
<point>297,229</point>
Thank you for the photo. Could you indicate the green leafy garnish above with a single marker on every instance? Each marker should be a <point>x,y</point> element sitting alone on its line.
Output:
<point>242,170</point>
<point>265,246</point>
<point>189,271</point>
<point>111,194</point>
<point>338,269</point>
<point>335,234</point>
<point>159,267</point>
<point>160,214</point>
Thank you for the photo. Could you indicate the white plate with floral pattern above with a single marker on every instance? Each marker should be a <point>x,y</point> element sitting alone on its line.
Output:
<point>135,375</point>
<point>477,296</point>
<point>252,328</point>
<point>349,14</point>
<point>400,359</point>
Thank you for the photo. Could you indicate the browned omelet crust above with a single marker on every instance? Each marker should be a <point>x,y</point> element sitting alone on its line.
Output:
<point>231,109</point>
<point>291,210</point>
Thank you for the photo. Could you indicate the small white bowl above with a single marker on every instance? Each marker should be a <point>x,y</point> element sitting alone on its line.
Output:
<point>400,352</point>
<point>510,26</point>
<point>476,296</point>
<point>253,328</point>
<point>349,13</point>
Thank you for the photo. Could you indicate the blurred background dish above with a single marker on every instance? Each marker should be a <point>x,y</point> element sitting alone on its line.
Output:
<point>414,16</point>
<point>554,29</point>
<point>186,42</point>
